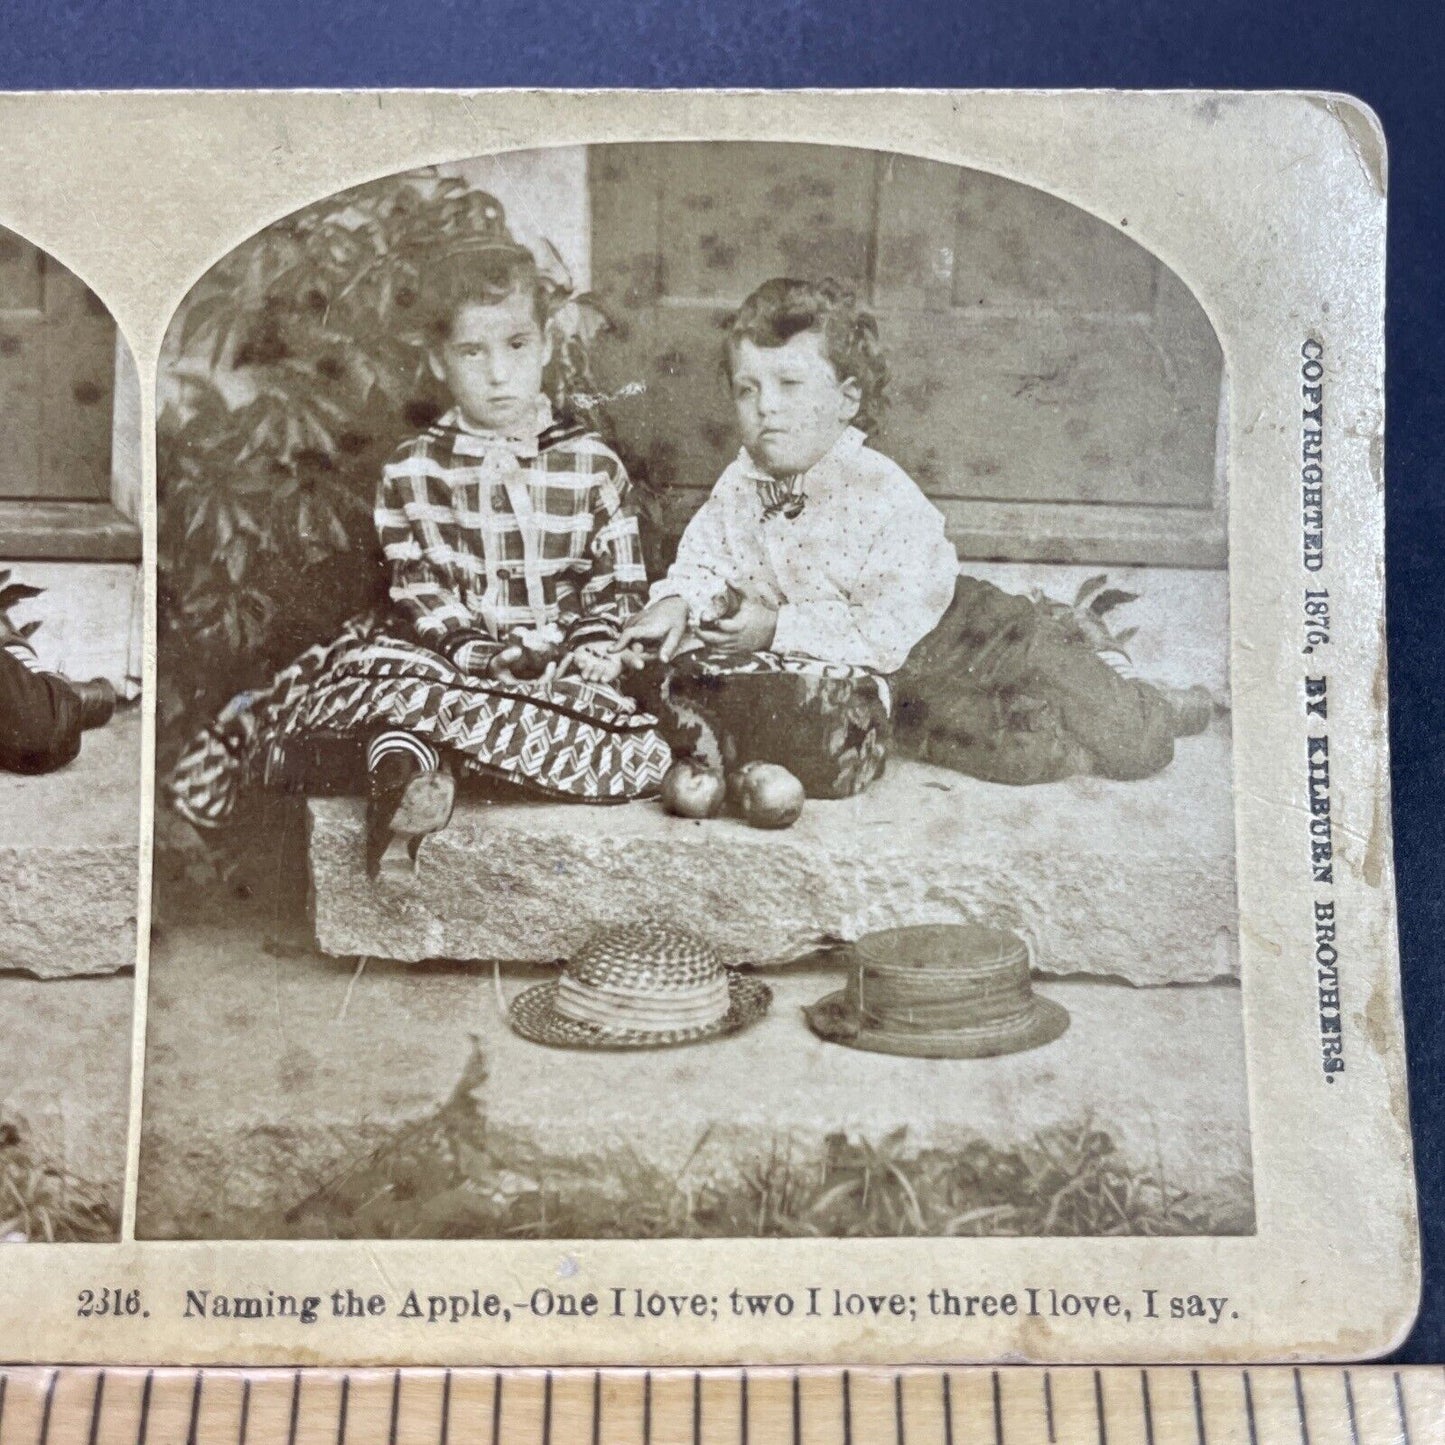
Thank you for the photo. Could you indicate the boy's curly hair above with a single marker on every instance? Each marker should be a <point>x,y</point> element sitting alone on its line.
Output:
<point>783,307</point>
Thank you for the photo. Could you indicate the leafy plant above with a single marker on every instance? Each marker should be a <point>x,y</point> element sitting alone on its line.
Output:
<point>42,1200</point>
<point>1085,618</point>
<point>298,365</point>
<point>12,593</point>
<point>452,1174</point>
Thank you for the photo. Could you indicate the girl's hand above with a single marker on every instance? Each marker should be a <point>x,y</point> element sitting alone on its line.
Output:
<point>593,662</point>
<point>749,629</point>
<point>500,666</point>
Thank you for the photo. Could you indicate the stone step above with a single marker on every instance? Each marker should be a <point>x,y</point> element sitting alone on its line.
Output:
<point>65,1072</point>
<point>1128,880</point>
<point>69,859</point>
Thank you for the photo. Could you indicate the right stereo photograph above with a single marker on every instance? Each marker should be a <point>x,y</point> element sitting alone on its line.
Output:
<point>693,700</point>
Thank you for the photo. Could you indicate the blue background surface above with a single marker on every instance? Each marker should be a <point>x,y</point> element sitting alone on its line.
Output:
<point>1390,56</point>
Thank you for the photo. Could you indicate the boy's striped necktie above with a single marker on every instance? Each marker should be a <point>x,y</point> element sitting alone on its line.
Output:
<point>781,495</point>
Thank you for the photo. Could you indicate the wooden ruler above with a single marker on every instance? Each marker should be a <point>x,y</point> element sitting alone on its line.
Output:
<point>1115,1405</point>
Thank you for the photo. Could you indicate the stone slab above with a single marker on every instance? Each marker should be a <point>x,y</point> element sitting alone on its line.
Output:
<point>268,1072</point>
<point>65,1071</point>
<point>1112,880</point>
<point>70,859</point>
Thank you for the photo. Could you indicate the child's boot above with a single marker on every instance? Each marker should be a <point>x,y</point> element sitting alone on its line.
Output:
<point>1192,708</point>
<point>410,795</point>
<point>97,702</point>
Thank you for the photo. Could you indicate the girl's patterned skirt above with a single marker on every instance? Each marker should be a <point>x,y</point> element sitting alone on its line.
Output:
<point>308,731</point>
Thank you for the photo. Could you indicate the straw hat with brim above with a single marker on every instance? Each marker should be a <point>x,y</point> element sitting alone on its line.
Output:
<point>640,986</point>
<point>939,991</point>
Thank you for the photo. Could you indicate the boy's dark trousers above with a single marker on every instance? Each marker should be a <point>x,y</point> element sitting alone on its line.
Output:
<point>999,690</point>
<point>40,718</point>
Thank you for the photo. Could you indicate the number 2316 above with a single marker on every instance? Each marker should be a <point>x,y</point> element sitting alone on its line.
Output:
<point>108,1302</point>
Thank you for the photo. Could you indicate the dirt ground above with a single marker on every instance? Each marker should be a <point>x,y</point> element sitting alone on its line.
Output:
<point>271,1067</point>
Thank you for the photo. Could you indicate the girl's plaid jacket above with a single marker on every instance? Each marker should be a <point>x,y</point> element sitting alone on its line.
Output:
<point>487,535</point>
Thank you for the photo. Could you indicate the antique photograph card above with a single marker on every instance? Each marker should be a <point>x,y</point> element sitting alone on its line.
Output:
<point>764,722</point>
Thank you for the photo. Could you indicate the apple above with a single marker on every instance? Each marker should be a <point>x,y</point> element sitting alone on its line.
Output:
<point>767,795</point>
<point>691,789</point>
<point>724,605</point>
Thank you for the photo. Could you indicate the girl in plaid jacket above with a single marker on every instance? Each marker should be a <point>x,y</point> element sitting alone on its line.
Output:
<point>514,563</point>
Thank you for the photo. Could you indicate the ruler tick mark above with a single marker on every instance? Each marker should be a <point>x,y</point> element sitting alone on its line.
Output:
<point>99,1396</point>
<point>647,1408</point>
<point>898,1429</point>
<point>1249,1410</point>
<point>193,1424</point>
<point>245,1412</point>
<point>446,1407</point>
<point>743,1411</point>
<point>1299,1404</point>
<point>1350,1406</point>
<point>497,1408</point>
<point>547,1411</point>
<point>341,1414</point>
<point>696,1408</point>
<point>49,1402</point>
<point>1099,1408</point>
<point>797,1409</point>
<point>997,1409</point>
<point>1148,1407</point>
<point>947,1410</point>
<point>145,1408</point>
<point>295,1408</point>
<point>1049,1406</point>
<point>596,1407</point>
<point>395,1407</point>
<point>847,1409</point>
<point>1400,1407</point>
<point>1198,1408</point>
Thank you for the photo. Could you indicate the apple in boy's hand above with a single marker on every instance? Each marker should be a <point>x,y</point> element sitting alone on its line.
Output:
<point>767,795</point>
<point>723,606</point>
<point>691,789</point>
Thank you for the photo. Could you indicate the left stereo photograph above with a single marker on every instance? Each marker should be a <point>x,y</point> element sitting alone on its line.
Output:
<point>72,619</point>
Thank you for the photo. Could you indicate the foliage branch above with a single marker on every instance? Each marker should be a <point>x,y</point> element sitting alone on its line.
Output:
<point>297,364</point>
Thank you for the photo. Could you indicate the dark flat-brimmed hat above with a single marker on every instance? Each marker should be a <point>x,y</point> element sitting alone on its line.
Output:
<point>939,991</point>
<point>640,986</point>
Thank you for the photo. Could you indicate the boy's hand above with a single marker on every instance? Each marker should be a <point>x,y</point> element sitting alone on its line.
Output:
<point>749,629</point>
<point>664,622</point>
<point>592,662</point>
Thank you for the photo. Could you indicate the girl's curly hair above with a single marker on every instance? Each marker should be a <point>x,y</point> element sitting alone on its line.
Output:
<point>486,272</point>
<point>782,308</point>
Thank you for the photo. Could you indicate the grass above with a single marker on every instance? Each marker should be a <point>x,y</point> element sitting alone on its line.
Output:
<point>42,1202</point>
<point>448,1176</point>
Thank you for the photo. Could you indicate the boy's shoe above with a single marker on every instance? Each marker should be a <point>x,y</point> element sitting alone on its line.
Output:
<point>1193,709</point>
<point>97,702</point>
<point>405,803</point>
